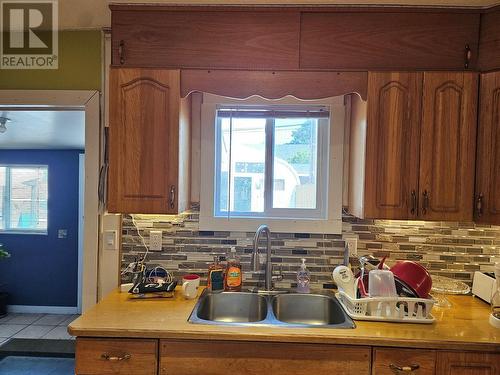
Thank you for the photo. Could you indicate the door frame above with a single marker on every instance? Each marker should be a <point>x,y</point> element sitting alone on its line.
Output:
<point>88,101</point>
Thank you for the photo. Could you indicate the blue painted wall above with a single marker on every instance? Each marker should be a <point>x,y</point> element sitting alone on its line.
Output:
<point>42,269</point>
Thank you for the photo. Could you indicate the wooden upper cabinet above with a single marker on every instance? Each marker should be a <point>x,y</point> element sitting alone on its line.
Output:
<point>205,39</point>
<point>489,41</point>
<point>487,206</point>
<point>448,146</point>
<point>145,132</point>
<point>392,145</point>
<point>457,363</point>
<point>388,40</point>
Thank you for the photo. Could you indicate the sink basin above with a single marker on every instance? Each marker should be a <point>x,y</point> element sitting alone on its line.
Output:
<point>309,309</point>
<point>285,310</point>
<point>232,307</point>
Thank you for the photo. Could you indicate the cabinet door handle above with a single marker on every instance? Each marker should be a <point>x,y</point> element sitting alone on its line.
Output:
<point>172,197</point>
<point>413,202</point>
<point>425,202</point>
<point>111,358</point>
<point>479,205</point>
<point>467,56</point>
<point>121,51</point>
<point>398,369</point>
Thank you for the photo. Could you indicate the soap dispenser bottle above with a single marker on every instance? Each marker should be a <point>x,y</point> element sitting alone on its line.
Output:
<point>303,278</point>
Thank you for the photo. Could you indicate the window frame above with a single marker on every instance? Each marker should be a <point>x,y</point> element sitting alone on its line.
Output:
<point>7,201</point>
<point>330,220</point>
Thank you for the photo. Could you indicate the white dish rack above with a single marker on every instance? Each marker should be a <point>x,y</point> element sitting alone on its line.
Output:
<point>388,309</point>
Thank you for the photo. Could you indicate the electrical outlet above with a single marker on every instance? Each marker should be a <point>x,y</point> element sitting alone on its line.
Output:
<point>155,240</point>
<point>352,245</point>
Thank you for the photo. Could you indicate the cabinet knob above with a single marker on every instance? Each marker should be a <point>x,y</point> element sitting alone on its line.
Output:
<point>399,369</point>
<point>121,51</point>
<point>111,358</point>
<point>425,202</point>
<point>479,205</point>
<point>467,56</point>
<point>172,197</point>
<point>413,202</point>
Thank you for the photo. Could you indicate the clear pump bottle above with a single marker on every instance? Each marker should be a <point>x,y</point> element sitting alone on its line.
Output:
<point>303,278</point>
<point>495,300</point>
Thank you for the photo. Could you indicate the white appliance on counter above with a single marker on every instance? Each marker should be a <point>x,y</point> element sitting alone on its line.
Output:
<point>483,285</point>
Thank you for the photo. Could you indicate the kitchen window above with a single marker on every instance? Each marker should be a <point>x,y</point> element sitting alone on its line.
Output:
<point>271,161</point>
<point>23,198</point>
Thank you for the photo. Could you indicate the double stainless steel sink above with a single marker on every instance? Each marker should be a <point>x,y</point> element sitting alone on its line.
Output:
<point>252,309</point>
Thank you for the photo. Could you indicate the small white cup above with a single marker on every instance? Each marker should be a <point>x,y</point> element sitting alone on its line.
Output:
<point>190,284</point>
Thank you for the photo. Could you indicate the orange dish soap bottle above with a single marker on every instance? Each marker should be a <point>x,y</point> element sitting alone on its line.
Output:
<point>234,277</point>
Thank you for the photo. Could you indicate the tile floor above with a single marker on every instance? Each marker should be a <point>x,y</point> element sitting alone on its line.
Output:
<point>35,326</point>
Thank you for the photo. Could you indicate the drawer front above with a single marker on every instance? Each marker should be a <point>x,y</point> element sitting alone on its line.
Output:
<point>116,356</point>
<point>390,361</point>
<point>261,358</point>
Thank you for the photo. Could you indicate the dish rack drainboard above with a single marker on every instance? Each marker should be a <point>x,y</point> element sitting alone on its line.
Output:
<point>388,309</point>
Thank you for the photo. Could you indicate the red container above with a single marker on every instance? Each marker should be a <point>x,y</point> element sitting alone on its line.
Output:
<point>415,276</point>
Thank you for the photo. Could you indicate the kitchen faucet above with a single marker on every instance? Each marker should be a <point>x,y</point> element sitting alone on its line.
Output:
<point>268,286</point>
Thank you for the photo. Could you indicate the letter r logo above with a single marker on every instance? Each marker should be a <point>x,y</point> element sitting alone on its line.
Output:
<point>27,27</point>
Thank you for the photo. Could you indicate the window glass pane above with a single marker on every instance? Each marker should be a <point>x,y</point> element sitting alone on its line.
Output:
<point>242,170</point>
<point>2,197</point>
<point>28,198</point>
<point>295,163</point>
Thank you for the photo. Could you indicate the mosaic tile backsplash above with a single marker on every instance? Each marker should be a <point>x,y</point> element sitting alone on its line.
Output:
<point>445,248</point>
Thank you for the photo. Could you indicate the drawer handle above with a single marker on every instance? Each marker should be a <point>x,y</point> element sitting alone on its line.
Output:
<point>398,369</point>
<point>110,358</point>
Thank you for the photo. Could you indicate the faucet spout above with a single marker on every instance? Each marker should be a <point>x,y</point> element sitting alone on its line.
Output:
<point>263,229</point>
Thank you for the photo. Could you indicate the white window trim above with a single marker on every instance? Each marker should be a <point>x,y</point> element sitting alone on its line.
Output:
<point>27,231</point>
<point>333,222</point>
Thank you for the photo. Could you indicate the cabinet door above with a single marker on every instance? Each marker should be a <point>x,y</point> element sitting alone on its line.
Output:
<point>448,146</point>
<point>392,145</point>
<point>456,363</point>
<point>389,361</point>
<point>488,151</point>
<point>211,357</point>
<point>143,140</point>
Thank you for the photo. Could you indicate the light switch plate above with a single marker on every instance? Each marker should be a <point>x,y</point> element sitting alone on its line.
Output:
<point>110,240</point>
<point>155,240</point>
<point>352,245</point>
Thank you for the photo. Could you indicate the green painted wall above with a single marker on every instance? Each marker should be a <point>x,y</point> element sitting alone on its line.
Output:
<point>79,66</point>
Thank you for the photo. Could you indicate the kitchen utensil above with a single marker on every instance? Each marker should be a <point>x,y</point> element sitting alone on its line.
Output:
<point>415,276</point>
<point>361,287</point>
<point>345,281</point>
<point>190,284</point>
<point>381,284</point>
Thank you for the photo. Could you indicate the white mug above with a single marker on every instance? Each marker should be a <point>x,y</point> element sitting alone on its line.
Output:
<point>190,284</point>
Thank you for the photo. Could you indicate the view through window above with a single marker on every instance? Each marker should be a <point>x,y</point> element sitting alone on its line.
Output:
<point>267,161</point>
<point>23,198</point>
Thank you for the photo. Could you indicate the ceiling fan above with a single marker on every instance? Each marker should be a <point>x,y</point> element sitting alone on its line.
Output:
<point>3,123</point>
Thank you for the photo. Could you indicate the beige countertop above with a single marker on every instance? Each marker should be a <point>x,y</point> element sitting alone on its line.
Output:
<point>464,326</point>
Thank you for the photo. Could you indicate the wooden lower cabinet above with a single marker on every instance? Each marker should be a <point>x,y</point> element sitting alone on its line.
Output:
<point>389,361</point>
<point>456,363</point>
<point>114,356</point>
<point>252,358</point>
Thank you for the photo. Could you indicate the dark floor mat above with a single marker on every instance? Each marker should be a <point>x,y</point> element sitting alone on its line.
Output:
<point>20,365</point>
<point>38,347</point>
